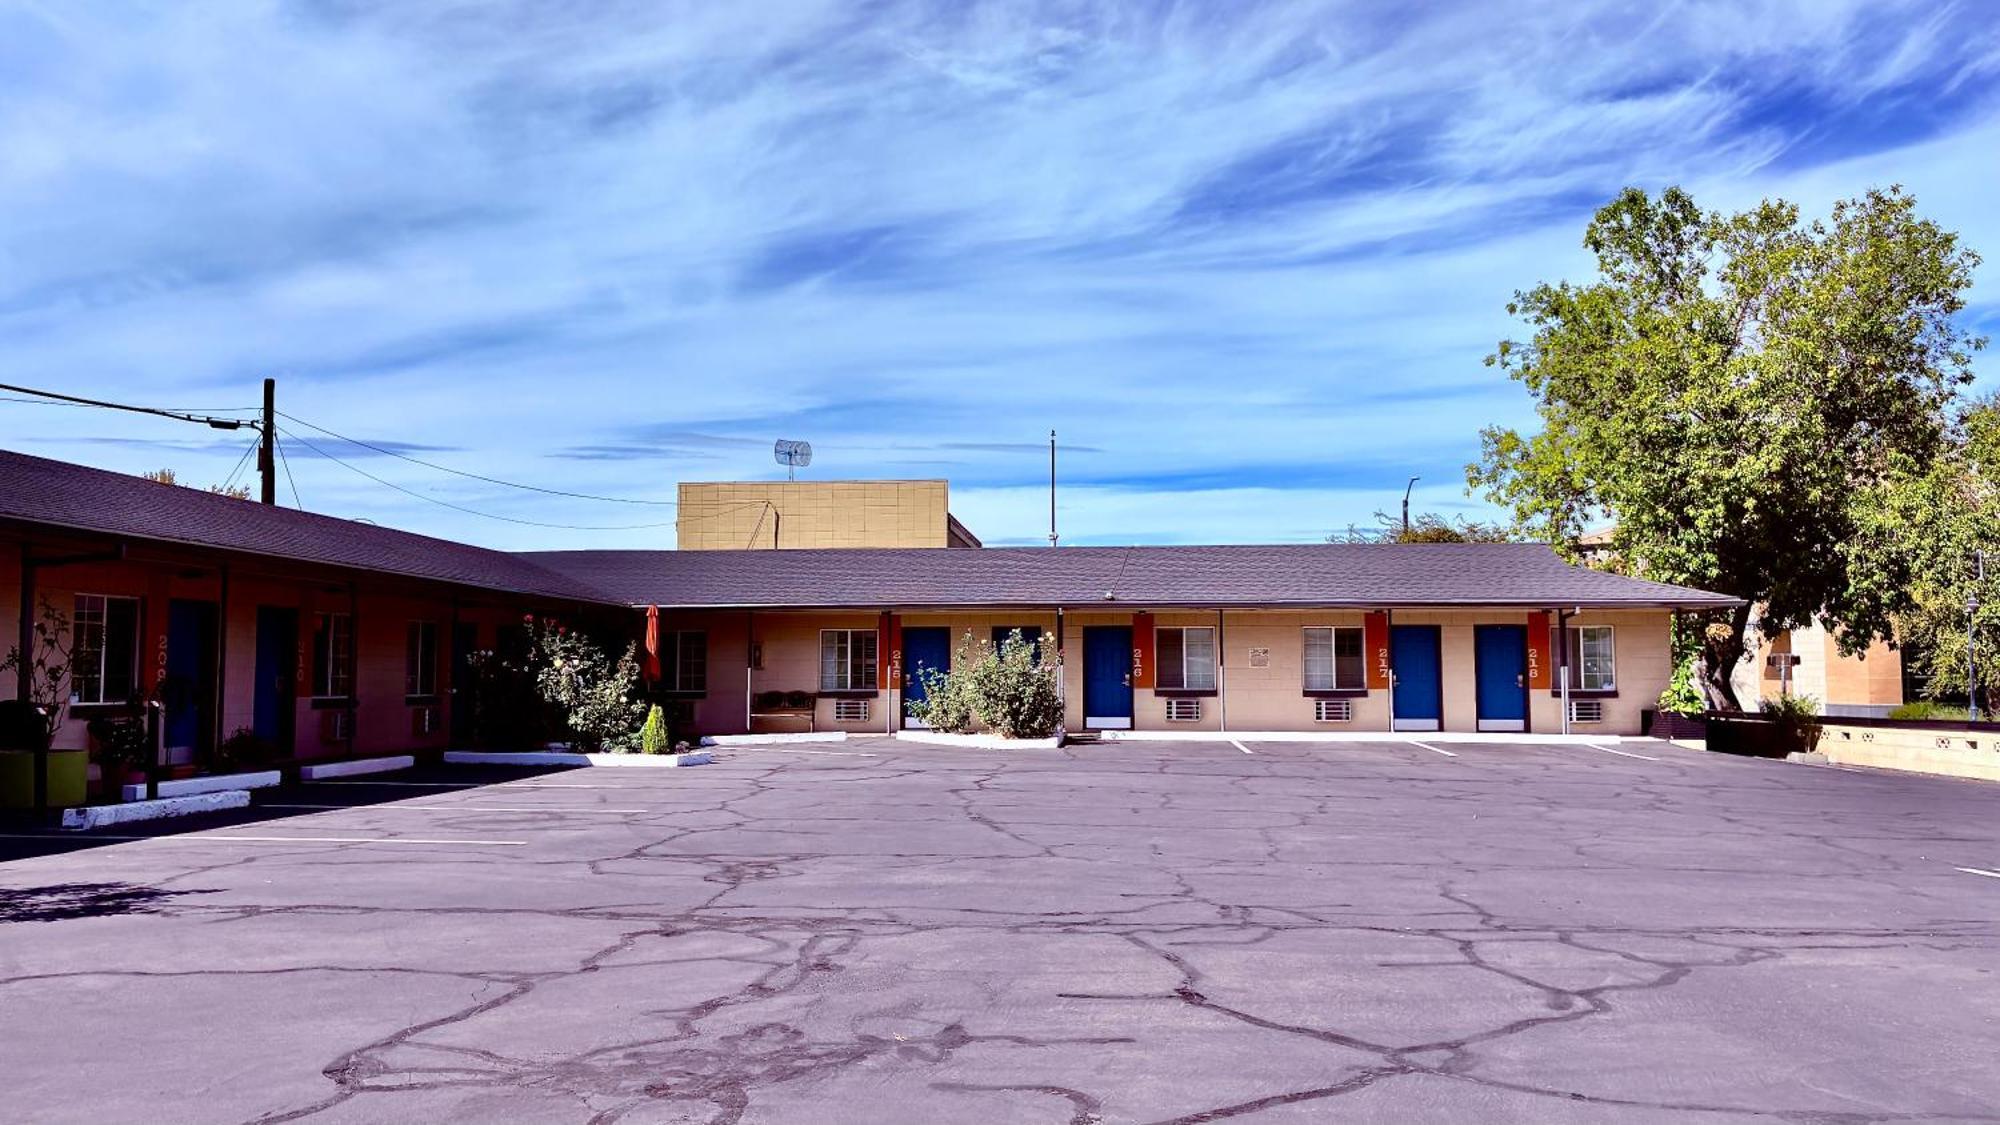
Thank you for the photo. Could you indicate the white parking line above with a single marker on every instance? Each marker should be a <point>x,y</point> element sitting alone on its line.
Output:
<point>788,750</point>
<point>208,837</point>
<point>1433,749</point>
<point>1239,746</point>
<point>455,808</point>
<point>1620,753</point>
<point>1980,871</point>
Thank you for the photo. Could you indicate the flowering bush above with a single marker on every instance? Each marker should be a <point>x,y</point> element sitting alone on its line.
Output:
<point>597,695</point>
<point>1009,691</point>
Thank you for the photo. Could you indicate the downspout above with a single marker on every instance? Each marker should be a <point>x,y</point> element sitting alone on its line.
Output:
<point>1389,639</point>
<point>749,666</point>
<point>1562,659</point>
<point>1221,692</point>
<point>23,680</point>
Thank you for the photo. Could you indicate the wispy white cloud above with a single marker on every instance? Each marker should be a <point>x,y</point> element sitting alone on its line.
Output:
<point>1254,253</point>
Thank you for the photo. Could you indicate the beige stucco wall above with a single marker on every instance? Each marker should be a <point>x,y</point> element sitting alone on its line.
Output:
<point>1872,679</point>
<point>739,515</point>
<point>1954,753</point>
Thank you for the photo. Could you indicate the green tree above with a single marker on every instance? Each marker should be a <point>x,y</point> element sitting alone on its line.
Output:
<point>1426,528</point>
<point>166,476</point>
<point>1931,524</point>
<point>1735,390</point>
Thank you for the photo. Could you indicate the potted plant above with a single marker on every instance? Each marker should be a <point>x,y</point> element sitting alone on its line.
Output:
<point>123,750</point>
<point>1681,706</point>
<point>1795,727</point>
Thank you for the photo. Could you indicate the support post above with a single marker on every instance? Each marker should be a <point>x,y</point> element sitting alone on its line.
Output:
<point>24,679</point>
<point>1221,687</point>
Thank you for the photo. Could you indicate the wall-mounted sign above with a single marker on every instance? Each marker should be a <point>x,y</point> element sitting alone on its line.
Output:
<point>1260,658</point>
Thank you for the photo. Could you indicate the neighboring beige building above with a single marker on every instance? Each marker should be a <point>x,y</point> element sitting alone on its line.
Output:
<point>749,515</point>
<point>1868,685</point>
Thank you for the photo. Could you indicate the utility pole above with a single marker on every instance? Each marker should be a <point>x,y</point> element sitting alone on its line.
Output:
<point>1406,505</point>
<point>267,469</point>
<point>1972,636</point>
<point>1052,488</point>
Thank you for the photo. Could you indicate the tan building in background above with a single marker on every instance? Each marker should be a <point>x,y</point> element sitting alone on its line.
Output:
<point>751,515</point>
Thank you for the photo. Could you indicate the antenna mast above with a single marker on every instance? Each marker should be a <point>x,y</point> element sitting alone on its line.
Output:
<point>1052,488</point>
<point>792,454</point>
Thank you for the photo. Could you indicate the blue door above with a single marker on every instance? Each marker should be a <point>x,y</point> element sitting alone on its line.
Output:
<point>1107,677</point>
<point>272,714</point>
<point>1413,655</point>
<point>188,689</point>
<point>1501,654</point>
<point>926,648</point>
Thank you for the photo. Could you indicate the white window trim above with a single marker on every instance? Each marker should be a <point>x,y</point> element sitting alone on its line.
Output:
<point>1575,658</point>
<point>353,655</point>
<point>846,667</point>
<point>1333,658</point>
<point>677,676</point>
<point>1214,657</point>
<point>104,648</point>
<point>426,669</point>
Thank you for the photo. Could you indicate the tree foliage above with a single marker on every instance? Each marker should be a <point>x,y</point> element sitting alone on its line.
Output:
<point>166,476</point>
<point>1426,528</point>
<point>1736,391</point>
<point>1932,522</point>
<point>1008,690</point>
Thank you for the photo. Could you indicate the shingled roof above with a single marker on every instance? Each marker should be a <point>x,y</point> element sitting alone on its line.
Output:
<point>1362,575</point>
<point>57,493</point>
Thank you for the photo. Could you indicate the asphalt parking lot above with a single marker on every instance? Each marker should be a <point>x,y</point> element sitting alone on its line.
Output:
<point>876,931</point>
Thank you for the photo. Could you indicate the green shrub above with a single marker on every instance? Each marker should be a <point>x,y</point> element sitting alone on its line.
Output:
<point>1682,695</point>
<point>1008,691</point>
<point>947,702</point>
<point>1014,693</point>
<point>596,694</point>
<point>1927,710</point>
<point>653,736</point>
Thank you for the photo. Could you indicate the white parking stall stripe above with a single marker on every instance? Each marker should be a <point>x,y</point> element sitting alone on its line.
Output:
<point>212,837</point>
<point>1620,753</point>
<point>1239,746</point>
<point>1433,749</point>
<point>456,808</point>
<point>1980,871</point>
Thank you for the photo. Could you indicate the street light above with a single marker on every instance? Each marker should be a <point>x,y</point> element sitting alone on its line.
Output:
<point>1406,505</point>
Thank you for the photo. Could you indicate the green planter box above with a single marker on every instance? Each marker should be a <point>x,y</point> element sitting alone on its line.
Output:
<point>68,770</point>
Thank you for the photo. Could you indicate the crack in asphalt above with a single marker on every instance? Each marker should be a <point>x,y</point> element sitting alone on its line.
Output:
<point>1167,856</point>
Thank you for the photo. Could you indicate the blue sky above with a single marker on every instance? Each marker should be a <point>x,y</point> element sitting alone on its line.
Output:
<point>1246,257</point>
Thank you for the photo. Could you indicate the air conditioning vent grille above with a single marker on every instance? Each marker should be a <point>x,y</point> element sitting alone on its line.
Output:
<point>1183,710</point>
<point>1333,710</point>
<point>1586,710</point>
<point>850,710</point>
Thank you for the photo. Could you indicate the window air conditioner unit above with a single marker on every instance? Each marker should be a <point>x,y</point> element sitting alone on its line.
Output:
<point>1586,710</point>
<point>1183,710</point>
<point>850,710</point>
<point>1333,710</point>
<point>336,726</point>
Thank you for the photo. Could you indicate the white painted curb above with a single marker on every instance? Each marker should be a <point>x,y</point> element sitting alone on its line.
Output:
<point>1360,736</point>
<point>359,765</point>
<point>97,816</point>
<point>215,783</point>
<point>979,741</point>
<point>773,739</point>
<point>555,758</point>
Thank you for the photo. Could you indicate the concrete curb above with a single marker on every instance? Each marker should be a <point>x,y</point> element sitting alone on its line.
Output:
<point>978,741</point>
<point>773,739</point>
<point>214,783</point>
<point>562,758</point>
<point>357,766</point>
<point>1360,736</point>
<point>98,816</point>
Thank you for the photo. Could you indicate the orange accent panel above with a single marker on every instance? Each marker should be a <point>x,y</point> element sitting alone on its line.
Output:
<point>1142,650</point>
<point>889,653</point>
<point>1541,653</point>
<point>1375,635</point>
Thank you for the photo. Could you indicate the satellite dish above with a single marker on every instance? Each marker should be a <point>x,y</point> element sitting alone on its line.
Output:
<point>792,455</point>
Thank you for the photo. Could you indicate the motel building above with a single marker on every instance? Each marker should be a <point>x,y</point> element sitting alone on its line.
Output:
<point>329,638</point>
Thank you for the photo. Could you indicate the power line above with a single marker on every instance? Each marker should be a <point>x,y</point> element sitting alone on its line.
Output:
<point>461,507</point>
<point>287,463</point>
<point>231,478</point>
<point>477,476</point>
<point>157,411</point>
